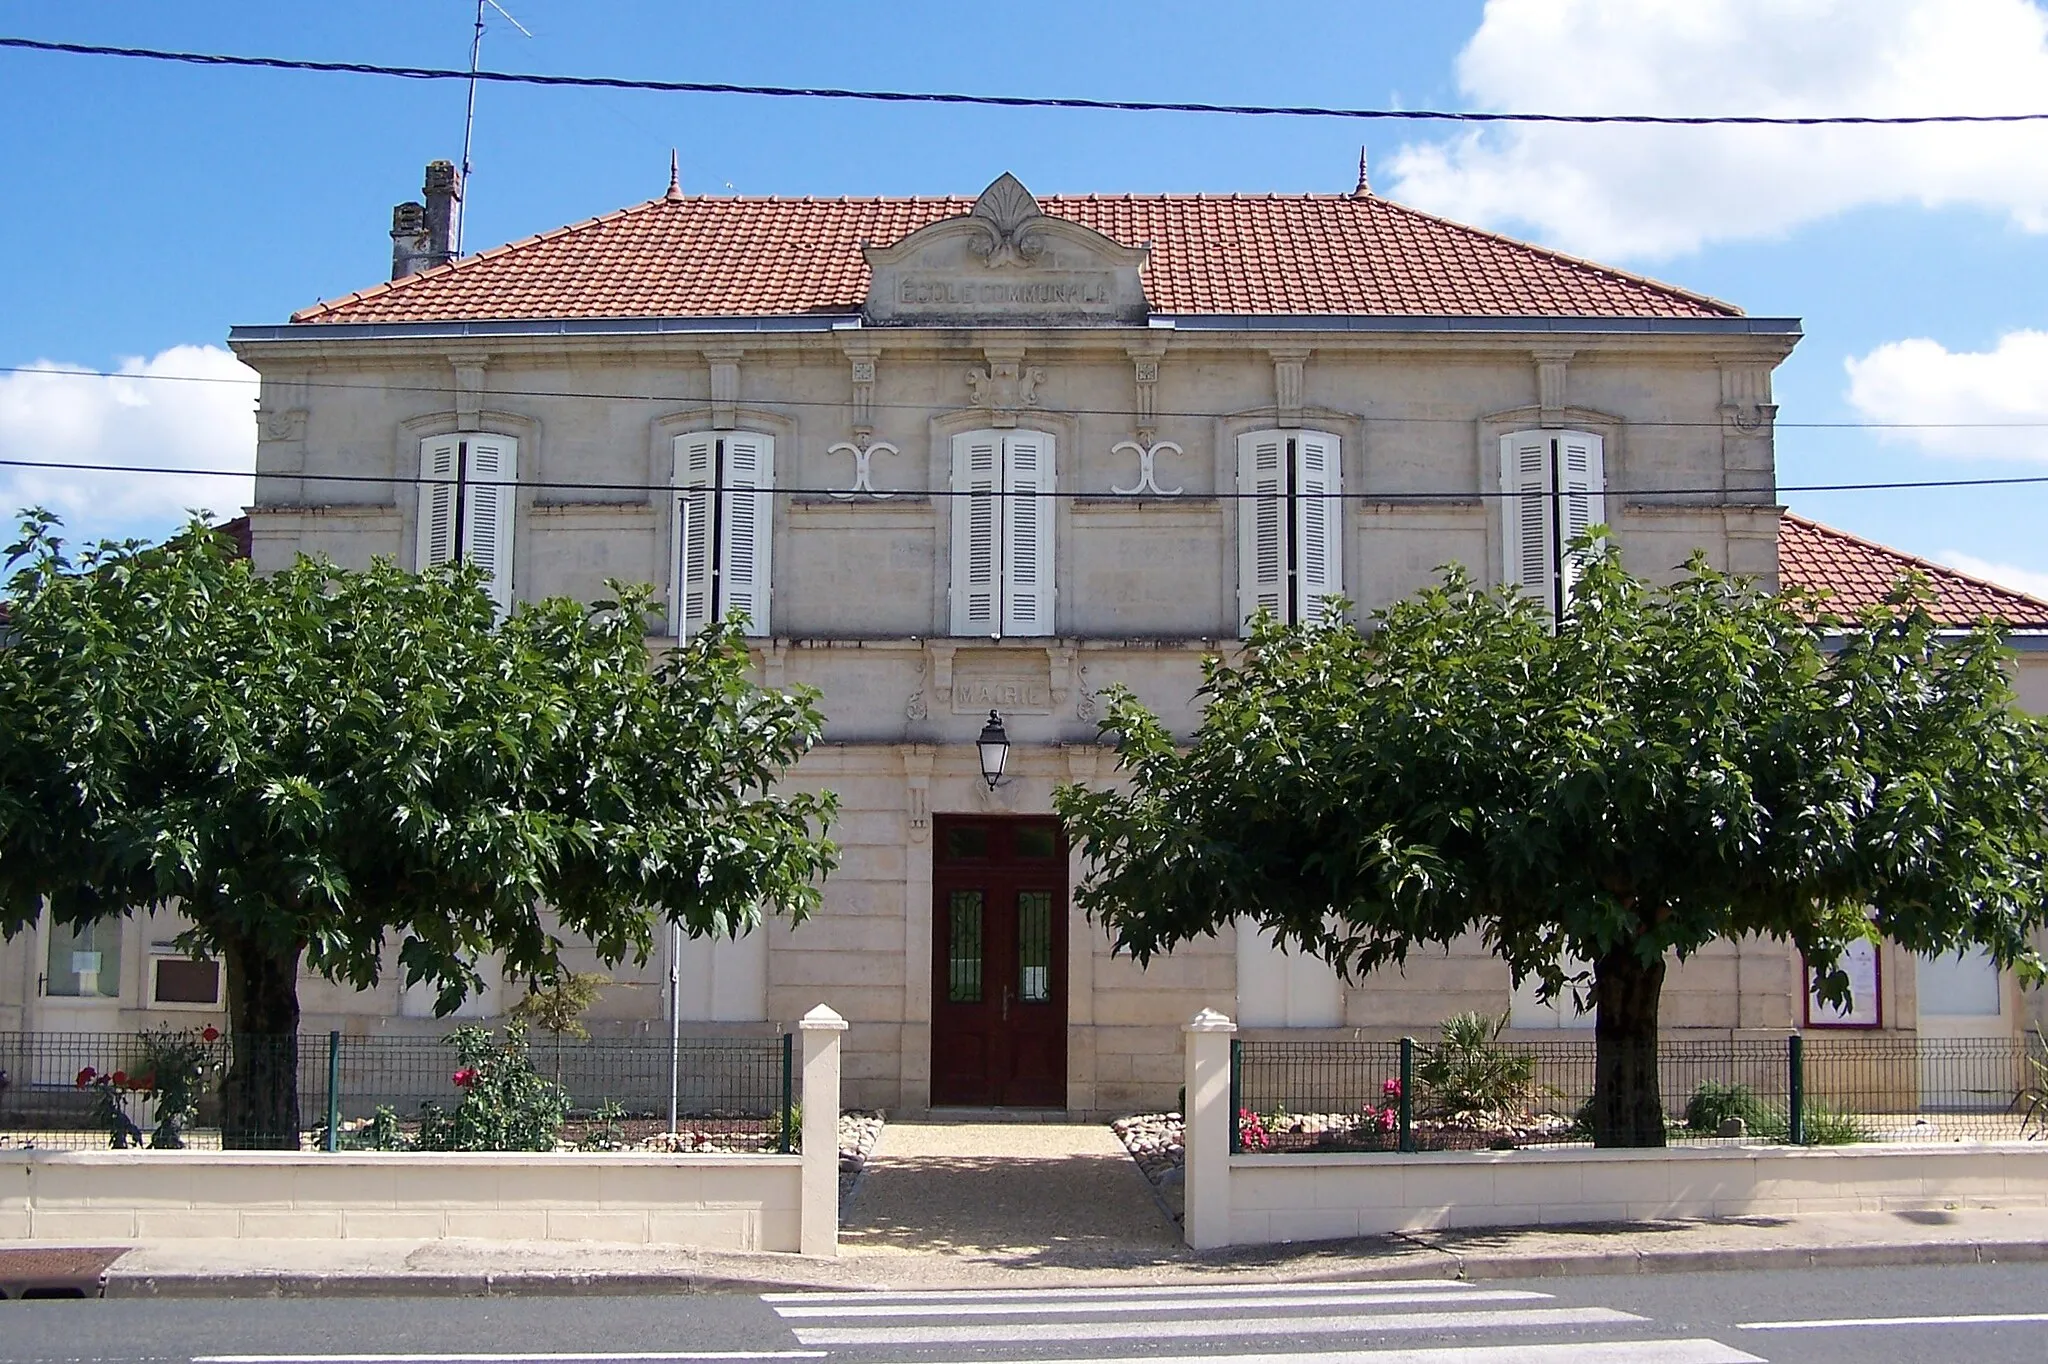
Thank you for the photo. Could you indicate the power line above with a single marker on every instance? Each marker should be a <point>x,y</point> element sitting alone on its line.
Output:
<point>1438,496</point>
<point>434,73</point>
<point>703,400</point>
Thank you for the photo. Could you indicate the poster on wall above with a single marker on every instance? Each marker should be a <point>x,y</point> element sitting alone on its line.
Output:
<point>1859,960</point>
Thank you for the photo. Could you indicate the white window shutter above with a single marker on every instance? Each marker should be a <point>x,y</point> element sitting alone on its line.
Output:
<point>1318,521</point>
<point>439,461</point>
<point>1027,558</point>
<point>1582,478</point>
<point>1261,526</point>
<point>977,548</point>
<point>690,574</point>
<point>1525,512</point>
<point>490,500</point>
<point>749,521</point>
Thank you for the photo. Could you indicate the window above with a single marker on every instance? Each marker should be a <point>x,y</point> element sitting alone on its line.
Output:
<point>724,511</point>
<point>1552,484</point>
<point>1962,984</point>
<point>1525,1010</point>
<point>84,960</point>
<point>179,982</point>
<point>721,979</point>
<point>1002,533</point>
<point>1283,987</point>
<point>1289,529</point>
<point>467,493</point>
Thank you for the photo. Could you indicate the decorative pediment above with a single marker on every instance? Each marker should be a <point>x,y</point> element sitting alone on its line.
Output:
<point>1006,263</point>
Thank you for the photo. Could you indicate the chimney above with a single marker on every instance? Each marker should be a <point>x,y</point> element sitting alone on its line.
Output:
<point>423,235</point>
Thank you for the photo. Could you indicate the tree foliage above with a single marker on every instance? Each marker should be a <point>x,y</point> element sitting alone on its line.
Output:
<point>333,766</point>
<point>1671,766</point>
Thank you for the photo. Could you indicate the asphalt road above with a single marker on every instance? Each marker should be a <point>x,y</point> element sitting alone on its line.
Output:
<point>1982,1314</point>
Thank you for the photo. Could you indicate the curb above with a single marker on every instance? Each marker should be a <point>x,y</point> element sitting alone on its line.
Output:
<point>1425,1263</point>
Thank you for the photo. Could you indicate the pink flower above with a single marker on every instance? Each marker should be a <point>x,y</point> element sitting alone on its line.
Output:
<point>210,1034</point>
<point>465,1077</point>
<point>1391,1089</point>
<point>87,1076</point>
<point>1389,1120</point>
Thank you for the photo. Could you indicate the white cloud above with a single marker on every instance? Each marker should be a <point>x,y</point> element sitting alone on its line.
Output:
<point>198,418</point>
<point>1622,191</point>
<point>2030,581</point>
<point>1919,380</point>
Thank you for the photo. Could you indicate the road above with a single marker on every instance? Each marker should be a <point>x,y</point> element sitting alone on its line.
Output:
<point>1984,1314</point>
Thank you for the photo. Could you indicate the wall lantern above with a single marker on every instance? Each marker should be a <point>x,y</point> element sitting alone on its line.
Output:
<point>995,749</point>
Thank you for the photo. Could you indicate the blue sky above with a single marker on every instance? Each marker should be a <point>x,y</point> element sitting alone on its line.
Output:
<point>154,207</point>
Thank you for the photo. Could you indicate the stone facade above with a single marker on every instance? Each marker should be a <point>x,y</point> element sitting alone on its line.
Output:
<point>1003,320</point>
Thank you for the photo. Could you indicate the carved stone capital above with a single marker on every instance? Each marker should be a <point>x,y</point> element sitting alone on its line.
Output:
<point>861,359</point>
<point>942,669</point>
<point>1145,376</point>
<point>725,387</point>
<point>469,387</point>
<point>1006,385</point>
<point>1287,384</point>
<point>1552,385</point>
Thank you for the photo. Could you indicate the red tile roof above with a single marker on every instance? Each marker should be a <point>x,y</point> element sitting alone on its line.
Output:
<point>1858,573</point>
<point>1229,254</point>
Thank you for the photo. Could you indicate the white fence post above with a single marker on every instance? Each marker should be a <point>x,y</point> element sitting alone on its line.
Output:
<point>818,1232</point>
<point>1205,1132</point>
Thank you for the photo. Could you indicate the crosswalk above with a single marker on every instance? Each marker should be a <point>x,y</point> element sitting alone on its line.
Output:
<point>1322,1323</point>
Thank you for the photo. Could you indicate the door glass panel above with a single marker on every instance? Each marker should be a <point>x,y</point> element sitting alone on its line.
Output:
<point>1034,946</point>
<point>85,960</point>
<point>963,977</point>
<point>967,840</point>
<point>1037,840</point>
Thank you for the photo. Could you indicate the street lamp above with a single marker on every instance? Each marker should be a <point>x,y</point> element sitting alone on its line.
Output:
<point>995,749</point>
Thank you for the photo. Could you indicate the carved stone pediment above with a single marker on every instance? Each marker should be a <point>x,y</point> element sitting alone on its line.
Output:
<point>1005,263</point>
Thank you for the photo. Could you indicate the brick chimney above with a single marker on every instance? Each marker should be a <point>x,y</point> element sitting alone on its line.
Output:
<point>423,235</point>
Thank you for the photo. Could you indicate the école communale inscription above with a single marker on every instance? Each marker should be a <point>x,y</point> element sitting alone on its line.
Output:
<point>1064,291</point>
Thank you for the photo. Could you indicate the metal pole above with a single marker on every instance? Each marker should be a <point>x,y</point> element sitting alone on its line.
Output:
<point>1236,1099</point>
<point>476,48</point>
<point>675,1020</point>
<point>1407,1094</point>
<point>334,1090</point>
<point>788,1095</point>
<point>1795,1060</point>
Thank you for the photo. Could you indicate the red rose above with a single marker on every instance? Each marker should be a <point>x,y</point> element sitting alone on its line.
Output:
<point>211,1034</point>
<point>87,1076</point>
<point>147,1082</point>
<point>119,1079</point>
<point>465,1077</point>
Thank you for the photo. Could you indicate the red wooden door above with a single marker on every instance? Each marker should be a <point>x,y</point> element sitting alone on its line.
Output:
<point>999,939</point>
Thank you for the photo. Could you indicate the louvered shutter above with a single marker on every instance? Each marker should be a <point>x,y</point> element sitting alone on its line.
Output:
<point>749,521</point>
<point>1318,521</point>
<point>1261,526</point>
<point>977,514</point>
<point>1027,560</point>
<point>1525,512</point>
<point>690,575</point>
<point>489,502</point>
<point>439,461</point>
<point>1582,479</point>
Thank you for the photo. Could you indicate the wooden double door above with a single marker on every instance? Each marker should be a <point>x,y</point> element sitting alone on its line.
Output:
<point>999,939</point>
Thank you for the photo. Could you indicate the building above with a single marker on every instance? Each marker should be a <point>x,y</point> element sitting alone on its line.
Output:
<point>954,456</point>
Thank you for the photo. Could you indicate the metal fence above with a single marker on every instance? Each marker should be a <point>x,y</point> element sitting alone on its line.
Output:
<point>1409,1095</point>
<point>64,1089</point>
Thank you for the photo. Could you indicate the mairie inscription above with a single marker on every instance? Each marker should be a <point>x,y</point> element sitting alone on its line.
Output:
<point>1010,693</point>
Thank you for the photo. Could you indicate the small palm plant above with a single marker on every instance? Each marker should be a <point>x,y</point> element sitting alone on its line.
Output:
<point>1469,1078</point>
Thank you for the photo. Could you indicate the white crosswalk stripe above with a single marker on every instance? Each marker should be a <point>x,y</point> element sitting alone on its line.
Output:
<point>1349,1315</point>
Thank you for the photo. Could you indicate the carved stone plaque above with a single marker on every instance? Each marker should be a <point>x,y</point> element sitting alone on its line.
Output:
<point>1006,262</point>
<point>1013,687</point>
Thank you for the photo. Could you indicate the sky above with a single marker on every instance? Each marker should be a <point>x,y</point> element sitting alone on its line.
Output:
<point>153,207</point>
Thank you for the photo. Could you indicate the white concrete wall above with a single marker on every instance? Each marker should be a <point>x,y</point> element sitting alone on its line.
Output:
<point>712,1201</point>
<point>1305,1198</point>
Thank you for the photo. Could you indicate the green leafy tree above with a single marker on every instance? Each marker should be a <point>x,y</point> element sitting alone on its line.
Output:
<point>557,1006</point>
<point>321,764</point>
<point>1670,766</point>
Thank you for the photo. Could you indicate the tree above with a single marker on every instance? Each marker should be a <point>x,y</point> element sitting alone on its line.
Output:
<point>1667,767</point>
<point>558,1006</point>
<point>318,764</point>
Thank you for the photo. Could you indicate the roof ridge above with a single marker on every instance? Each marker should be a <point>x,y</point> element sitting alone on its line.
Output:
<point>1932,566</point>
<point>1612,272</point>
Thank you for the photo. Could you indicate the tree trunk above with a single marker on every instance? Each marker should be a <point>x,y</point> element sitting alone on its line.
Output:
<point>1628,1103</point>
<point>260,1097</point>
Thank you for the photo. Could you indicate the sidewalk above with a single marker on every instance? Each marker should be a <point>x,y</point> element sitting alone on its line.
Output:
<point>473,1268</point>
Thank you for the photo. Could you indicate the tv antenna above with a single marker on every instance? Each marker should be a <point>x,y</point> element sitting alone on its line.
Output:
<point>476,49</point>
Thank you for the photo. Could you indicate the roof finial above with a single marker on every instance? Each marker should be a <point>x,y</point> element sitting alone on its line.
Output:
<point>1364,185</point>
<point>675,177</point>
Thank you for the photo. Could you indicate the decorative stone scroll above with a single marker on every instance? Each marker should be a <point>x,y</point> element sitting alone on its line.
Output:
<point>1005,262</point>
<point>1147,482</point>
<point>862,454</point>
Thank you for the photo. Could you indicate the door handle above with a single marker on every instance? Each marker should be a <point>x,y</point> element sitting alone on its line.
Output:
<point>1006,1004</point>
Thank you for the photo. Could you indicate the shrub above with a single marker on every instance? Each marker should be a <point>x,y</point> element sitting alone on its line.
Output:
<point>1469,1076</point>
<point>505,1106</point>
<point>1827,1125</point>
<point>179,1064</point>
<point>1714,1102</point>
